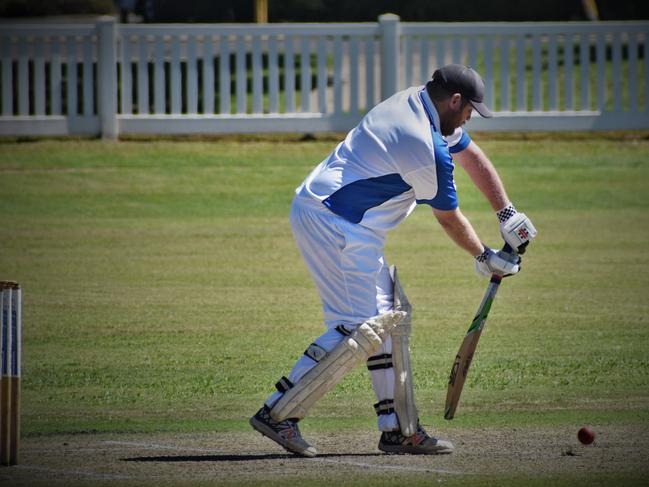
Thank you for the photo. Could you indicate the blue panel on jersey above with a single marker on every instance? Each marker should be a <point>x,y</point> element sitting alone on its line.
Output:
<point>446,197</point>
<point>462,144</point>
<point>352,201</point>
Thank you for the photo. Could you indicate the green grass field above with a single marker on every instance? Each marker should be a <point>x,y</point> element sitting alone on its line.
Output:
<point>163,291</point>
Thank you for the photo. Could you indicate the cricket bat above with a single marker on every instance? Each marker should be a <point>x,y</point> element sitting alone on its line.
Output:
<point>464,355</point>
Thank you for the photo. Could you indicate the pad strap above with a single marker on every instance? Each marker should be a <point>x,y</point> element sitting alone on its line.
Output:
<point>315,352</point>
<point>377,362</point>
<point>344,330</point>
<point>283,385</point>
<point>384,407</point>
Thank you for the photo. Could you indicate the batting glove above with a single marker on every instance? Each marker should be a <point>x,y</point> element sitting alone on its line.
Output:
<point>516,228</point>
<point>497,262</point>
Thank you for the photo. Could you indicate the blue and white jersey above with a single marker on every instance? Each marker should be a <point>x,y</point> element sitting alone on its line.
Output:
<point>393,159</point>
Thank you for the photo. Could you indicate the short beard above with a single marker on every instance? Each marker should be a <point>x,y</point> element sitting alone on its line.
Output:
<point>446,128</point>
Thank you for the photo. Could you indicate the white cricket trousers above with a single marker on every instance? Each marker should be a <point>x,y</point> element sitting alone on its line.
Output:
<point>347,264</point>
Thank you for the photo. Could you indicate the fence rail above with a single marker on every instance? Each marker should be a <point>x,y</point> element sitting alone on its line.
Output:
<point>110,78</point>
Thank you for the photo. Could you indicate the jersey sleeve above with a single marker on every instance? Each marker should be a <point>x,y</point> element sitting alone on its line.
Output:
<point>458,141</point>
<point>446,195</point>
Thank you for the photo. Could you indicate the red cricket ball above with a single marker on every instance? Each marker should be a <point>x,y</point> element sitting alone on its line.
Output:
<point>586,435</point>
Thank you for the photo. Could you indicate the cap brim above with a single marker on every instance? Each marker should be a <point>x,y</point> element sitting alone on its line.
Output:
<point>482,109</point>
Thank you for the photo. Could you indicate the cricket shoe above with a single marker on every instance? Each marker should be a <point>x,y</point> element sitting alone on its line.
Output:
<point>285,433</point>
<point>421,443</point>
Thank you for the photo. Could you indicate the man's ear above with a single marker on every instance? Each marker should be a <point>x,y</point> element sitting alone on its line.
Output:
<point>455,101</point>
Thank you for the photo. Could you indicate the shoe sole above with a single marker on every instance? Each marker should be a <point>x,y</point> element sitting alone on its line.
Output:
<point>412,450</point>
<point>272,435</point>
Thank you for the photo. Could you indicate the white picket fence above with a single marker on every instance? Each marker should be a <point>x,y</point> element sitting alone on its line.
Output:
<point>113,79</point>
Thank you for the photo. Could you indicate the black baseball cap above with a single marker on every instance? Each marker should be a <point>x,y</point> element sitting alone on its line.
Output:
<point>457,78</point>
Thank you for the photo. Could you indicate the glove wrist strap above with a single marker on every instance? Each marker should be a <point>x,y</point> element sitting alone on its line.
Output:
<point>484,255</point>
<point>506,213</point>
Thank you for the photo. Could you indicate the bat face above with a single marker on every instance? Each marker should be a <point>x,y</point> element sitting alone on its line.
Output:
<point>467,364</point>
<point>462,363</point>
<point>454,369</point>
<point>464,357</point>
<point>459,372</point>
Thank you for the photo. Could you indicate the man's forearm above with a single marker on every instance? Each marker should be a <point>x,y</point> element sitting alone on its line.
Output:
<point>484,175</point>
<point>460,230</point>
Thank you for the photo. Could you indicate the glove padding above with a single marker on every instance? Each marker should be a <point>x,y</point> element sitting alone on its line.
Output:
<point>517,231</point>
<point>497,262</point>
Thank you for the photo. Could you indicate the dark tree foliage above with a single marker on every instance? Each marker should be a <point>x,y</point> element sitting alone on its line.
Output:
<point>451,10</point>
<point>339,10</point>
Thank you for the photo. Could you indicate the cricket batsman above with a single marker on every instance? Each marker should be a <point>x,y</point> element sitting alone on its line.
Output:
<point>399,155</point>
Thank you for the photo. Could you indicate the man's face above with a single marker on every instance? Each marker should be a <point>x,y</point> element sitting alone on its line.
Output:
<point>458,112</point>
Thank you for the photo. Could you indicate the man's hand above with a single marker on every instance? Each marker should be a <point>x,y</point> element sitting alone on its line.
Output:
<point>517,230</point>
<point>496,262</point>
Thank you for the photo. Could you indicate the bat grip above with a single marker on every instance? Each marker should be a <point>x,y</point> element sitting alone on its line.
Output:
<point>495,278</point>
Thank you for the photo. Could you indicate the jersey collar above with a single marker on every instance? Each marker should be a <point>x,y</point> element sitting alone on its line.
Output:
<point>429,107</point>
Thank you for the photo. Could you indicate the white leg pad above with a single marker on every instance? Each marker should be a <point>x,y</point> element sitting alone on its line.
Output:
<point>364,341</point>
<point>404,396</point>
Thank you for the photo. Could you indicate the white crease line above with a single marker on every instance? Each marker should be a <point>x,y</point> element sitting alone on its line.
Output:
<point>388,467</point>
<point>153,446</point>
<point>79,473</point>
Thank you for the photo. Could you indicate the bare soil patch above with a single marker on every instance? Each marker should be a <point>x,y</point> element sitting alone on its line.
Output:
<point>165,458</point>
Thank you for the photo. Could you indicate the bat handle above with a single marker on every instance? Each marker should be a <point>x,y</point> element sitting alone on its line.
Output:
<point>495,278</point>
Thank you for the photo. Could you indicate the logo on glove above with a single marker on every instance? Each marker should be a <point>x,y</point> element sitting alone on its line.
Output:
<point>523,233</point>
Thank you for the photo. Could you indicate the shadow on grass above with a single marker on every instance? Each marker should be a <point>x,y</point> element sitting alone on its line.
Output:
<point>238,458</point>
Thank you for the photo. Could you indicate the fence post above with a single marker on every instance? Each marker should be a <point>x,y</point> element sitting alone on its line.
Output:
<point>107,76</point>
<point>390,54</point>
